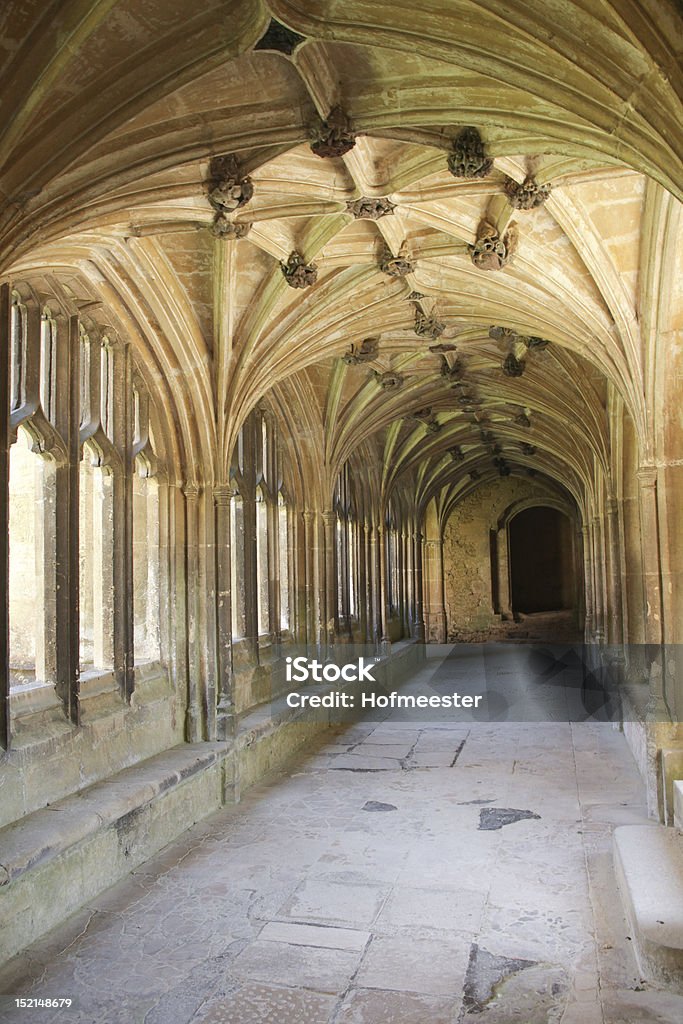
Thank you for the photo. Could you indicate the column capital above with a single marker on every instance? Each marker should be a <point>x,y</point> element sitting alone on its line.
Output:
<point>191,491</point>
<point>223,493</point>
<point>647,475</point>
<point>308,515</point>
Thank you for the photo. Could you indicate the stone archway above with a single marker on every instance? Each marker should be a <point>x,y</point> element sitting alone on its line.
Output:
<point>542,563</point>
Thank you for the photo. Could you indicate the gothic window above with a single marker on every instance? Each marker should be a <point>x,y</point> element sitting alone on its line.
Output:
<point>237,565</point>
<point>48,368</point>
<point>353,566</point>
<point>84,383</point>
<point>30,561</point>
<point>96,567</point>
<point>18,354</point>
<point>146,583</point>
<point>283,551</point>
<point>262,562</point>
<point>392,556</point>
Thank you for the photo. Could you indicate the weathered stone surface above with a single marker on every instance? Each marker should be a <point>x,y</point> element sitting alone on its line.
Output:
<point>485,973</point>
<point>493,818</point>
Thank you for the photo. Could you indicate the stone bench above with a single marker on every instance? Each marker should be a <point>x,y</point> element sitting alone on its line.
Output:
<point>649,867</point>
<point>678,803</point>
<point>57,858</point>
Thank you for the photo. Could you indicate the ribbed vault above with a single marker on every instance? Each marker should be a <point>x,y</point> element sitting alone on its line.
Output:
<point>443,374</point>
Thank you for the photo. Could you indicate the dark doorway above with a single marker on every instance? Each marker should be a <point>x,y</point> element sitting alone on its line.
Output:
<point>541,561</point>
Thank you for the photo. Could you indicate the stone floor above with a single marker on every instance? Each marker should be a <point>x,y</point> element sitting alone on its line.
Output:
<point>409,872</point>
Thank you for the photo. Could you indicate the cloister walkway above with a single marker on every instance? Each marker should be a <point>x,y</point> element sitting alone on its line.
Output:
<point>408,872</point>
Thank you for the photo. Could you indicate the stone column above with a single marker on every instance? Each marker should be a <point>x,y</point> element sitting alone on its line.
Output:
<point>363,588</point>
<point>588,582</point>
<point>435,612</point>
<point>383,588</point>
<point>5,304</point>
<point>64,520</point>
<point>193,713</point>
<point>419,593</point>
<point>597,562</point>
<point>402,588</point>
<point>344,575</point>
<point>616,632</point>
<point>504,583</point>
<point>331,612</point>
<point>225,710</point>
<point>309,582</point>
<point>409,583</point>
<point>121,504</point>
<point>649,534</point>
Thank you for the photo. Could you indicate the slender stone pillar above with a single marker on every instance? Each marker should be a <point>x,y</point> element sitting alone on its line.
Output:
<point>121,505</point>
<point>363,582</point>
<point>616,630</point>
<point>504,587</point>
<point>225,711</point>
<point>193,713</point>
<point>402,582</point>
<point>308,520</point>
<point>649,534</point>
<point>65,521</point>
<point>4,514</point>
<point>598,568</point>
<point>410,583</point>
<point>331,612</point>
<point>588,582</point>
<point>419,594</point>
<point>383,589</point>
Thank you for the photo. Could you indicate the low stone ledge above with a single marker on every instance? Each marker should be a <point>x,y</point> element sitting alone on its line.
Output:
<point>648,862</point>
<point>678,802</point>
<point>49,832</point>
<point>82,844</point>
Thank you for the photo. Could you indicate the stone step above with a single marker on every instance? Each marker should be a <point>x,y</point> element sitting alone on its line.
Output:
<point>648,861</point>
<point>57,858</point>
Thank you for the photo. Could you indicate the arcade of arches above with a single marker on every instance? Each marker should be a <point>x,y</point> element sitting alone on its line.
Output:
<point>322,324</point>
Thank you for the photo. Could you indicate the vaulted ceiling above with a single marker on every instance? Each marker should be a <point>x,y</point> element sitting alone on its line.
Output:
<point>400,347</point>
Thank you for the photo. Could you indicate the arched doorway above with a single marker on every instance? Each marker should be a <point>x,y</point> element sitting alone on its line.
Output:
<point>542,563</point>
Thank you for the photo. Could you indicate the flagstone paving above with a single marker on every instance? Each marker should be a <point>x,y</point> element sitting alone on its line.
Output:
<point>409,872</point>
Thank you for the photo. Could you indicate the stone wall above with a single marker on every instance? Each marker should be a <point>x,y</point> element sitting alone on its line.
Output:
<point>467,553</point>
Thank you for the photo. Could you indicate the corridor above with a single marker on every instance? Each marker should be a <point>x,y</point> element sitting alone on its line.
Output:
<point>408,872</point>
